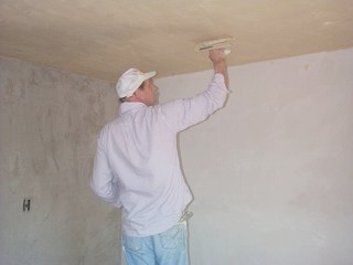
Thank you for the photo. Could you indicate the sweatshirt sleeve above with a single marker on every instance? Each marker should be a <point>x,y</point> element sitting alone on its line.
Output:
<point>181,114</point>
<point>102,182</point>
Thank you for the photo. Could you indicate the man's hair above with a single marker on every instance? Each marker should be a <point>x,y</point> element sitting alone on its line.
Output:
<point>124,99</point>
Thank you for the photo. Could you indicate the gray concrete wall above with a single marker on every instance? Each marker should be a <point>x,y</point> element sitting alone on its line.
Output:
<point>49,121</point>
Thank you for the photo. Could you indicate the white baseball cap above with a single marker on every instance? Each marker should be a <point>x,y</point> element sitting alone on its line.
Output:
<point>130,81</point>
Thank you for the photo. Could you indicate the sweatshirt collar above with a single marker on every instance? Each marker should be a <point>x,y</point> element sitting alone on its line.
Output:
<point>129,106</point>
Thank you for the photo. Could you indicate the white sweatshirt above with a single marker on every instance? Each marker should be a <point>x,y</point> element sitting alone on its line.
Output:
<point>137,164</point>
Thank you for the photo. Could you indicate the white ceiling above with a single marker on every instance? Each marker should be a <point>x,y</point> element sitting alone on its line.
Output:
<point>103,38</point>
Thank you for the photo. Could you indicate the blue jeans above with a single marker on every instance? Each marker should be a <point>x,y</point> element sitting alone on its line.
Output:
<point>167,248</point>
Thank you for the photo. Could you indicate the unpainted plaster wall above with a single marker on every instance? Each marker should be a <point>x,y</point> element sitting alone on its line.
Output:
<point>272,172</point>
<point>49,121</point>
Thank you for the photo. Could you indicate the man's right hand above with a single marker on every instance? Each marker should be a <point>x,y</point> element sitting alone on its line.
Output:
<point>217,57</point>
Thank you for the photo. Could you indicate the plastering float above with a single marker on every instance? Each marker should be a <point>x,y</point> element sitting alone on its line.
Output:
<point>224,43</point>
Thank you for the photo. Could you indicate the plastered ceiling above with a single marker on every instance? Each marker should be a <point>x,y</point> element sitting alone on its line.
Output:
<point>103,38</point>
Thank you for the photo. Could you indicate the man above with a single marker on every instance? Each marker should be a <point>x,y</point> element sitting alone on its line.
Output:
<point>137,165</point>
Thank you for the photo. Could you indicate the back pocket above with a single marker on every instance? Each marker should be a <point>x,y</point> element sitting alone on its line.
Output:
<point>173,237</point>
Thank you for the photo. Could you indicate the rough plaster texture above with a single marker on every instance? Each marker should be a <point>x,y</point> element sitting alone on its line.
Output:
<point>49,121</point>
<point>272,173</point>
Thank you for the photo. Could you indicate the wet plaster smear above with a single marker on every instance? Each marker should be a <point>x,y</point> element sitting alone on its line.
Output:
<point>272,173</point>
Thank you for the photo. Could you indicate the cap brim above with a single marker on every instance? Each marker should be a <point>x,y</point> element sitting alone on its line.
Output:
<point>149,75</point>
